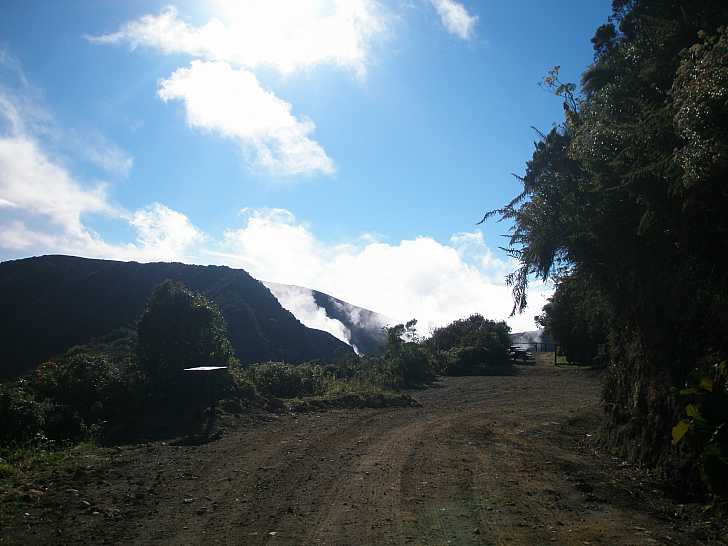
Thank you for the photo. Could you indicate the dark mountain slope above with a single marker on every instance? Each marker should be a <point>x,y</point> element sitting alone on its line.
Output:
<point>359,327</point>
<point>51,303</point>
<point>366,326</point>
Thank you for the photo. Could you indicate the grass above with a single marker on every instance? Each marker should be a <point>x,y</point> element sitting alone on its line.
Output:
<point>336,387</point>
<point>23,462</point>
<point>29,472</point>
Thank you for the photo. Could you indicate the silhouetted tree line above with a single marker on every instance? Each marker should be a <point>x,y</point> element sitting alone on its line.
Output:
<point>624,205</point>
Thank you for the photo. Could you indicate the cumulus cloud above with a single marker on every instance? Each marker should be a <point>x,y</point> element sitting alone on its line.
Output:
<point>277,33</point>
<point>220,91</point>
<point>45,208</point>
<point>162,234</point>
<point>423,278</point>
<point>33,183</point>
<point>231,103</point>
<point>455,18</point>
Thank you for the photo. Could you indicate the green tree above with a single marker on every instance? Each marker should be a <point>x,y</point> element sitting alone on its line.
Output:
<point>470,345</point>
<point>577,318</point>
<point>629,194</point>
<point>406,356</point>
<point>181,328</point>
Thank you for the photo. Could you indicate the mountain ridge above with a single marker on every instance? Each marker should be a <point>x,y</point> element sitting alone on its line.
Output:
<point>51,303</point>
<point>357,326</point>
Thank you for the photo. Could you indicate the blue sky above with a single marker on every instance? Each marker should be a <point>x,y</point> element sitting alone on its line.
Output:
<point>348,146</point>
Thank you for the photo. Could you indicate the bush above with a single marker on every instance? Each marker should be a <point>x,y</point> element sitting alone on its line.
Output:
<point>180,329</point>
<point>21,414</point>
<point>86,382</point>
<point>406,361</point>
<point>474,331</point>
<point>86,392</point>
<point>414,365</point>
<point>464,360</point>
<point>381,372</point>
<point>474,360</point>
<point>286,380</point>
<point>704,426</point>
<point>469,346</point>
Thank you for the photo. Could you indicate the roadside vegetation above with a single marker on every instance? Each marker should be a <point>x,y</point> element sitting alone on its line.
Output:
<point>624,208</point>
<point>131,383</point>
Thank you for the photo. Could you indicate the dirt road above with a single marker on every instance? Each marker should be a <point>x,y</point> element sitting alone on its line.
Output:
<point>483,460</point>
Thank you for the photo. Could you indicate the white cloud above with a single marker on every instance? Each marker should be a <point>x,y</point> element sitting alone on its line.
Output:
<point>231,103</point>
<point>98,150</point>
<point>46,209</point>
<point>422,278</point>
<point>22,114</point>
<point>278,33</point>
<point>220,92</point>
<point>162,234</point>
<point>299,301</point>
<point>455,18</point>
<point>38,186</point>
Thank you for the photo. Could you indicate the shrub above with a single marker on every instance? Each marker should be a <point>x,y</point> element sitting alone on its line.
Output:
<point>464,360</point>
<point>704,427</point>
<point>405,359</point>
<point>473,360</point>
<point>21,414</point>
<point>414,365</point>
<point>382,372</point>
<point>86,392</point>
<point>468,346</point>
<point>286,380</point>
<point>180,329</point>
<point>63,422</point>
<point>474,331</point>
<point>86,382</point>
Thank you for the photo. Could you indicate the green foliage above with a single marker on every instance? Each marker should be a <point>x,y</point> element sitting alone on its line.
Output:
<point>469,346</point>
<point>180,329</point>
<point>406,361</point>
<point>287,380</point>
<point>464,360</point>
<point>474,331</point>
<point>21,414</point>
<point>705,424</point>
<point>88,383</point>
<point>700,107</point>
<point>627,197</point>
<point>88,390</point>
<point>577,317</point>
<point>370,375</point>
<point>412,364</point>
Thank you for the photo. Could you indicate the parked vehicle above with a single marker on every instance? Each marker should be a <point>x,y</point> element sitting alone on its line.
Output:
<point>520,353</point>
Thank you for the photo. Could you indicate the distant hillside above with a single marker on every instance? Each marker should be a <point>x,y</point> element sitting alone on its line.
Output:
<point>359,327</point>
<point>51,303</point>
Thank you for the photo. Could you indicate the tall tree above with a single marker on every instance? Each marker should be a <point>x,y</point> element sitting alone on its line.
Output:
<point>628,196</point>
<point>180,329</point>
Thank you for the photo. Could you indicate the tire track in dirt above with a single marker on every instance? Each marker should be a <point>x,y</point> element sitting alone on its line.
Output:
<point>484,460</point>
